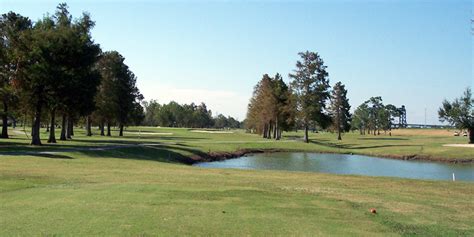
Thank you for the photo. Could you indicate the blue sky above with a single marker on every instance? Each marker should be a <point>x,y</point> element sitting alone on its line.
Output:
<point>414,53</point>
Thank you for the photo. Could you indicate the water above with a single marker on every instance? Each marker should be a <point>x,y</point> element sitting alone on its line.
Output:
<point>348,164</point>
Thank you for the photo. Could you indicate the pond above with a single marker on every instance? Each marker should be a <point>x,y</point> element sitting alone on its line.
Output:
<point>348,164</point>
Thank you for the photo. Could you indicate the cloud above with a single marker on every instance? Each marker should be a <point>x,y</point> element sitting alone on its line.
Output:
<point>219,101</point>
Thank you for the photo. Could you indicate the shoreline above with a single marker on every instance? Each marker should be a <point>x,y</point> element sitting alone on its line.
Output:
<point>220,156</point>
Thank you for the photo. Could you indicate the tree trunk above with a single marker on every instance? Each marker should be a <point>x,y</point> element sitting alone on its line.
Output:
<point>270,130</point>
<point>108,129</point>
<point>275,130</point>
<point>102,128</point>
<point>63,128</point>
<point>88,126</point>
<point>52,135</point>
<point>121,130</point>
<point>35,128</point>
<point>306,139</point>
<point>69,130</point>
<point>339,124</point>
<point>5,119</point>
<point>265,131</point>
<point>471,135</point>
<point>32,122</point>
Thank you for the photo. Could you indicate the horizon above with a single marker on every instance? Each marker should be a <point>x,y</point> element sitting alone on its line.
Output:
<point>194,45</point>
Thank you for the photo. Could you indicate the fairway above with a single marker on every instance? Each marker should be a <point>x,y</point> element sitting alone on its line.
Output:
<point>180,143</point>
<point>137,186</point>
<point>236,118</point>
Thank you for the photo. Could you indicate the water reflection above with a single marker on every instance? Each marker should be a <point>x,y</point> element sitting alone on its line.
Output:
<point>348,164</point>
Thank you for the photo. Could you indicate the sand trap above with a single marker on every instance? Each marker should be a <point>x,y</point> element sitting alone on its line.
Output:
<point>460,145</point>
<point>18,132</point>
<point>218,132</point>
<point>151,133</point>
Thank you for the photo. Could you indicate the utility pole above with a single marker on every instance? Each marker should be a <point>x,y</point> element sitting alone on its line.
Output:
<point>425,117</point>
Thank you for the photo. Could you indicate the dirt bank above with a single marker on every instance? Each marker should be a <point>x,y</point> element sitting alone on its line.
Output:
<point>219,156</point>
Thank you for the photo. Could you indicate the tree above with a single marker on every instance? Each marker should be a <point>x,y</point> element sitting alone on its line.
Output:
<point>118,95</point>
<point>388,117</point>
<point>260,107</point>
<point>459,113</point>
<point>35,80</point>
<point>128,99</point>
<point>12,28</point>
<point>202,117</point>
<point>106,99</point>
<point>376,114</point>
<point>283,106</point>
<point>152,108</point>
<point>310,84</point>
<point>76,79</point>
<point>339,109</point>
<point>270,109</point>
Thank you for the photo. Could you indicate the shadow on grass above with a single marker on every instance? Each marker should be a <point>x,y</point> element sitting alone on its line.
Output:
<point>113,148</point>
<point>383,138</point>
<point>153,152</point>
<point>44,154</point>
<point>49,155</point>
<point>332,145</point>
<point>123,139</point>
<point>354,146</point>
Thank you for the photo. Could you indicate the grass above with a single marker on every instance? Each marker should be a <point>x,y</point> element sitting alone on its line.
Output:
<point>144,190</point>
<point>175,142</point>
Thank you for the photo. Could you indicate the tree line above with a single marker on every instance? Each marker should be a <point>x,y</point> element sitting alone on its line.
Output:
<point>185,115</point>
<point>373,116</point>
<point>53,68</point>
<point>308,102</point>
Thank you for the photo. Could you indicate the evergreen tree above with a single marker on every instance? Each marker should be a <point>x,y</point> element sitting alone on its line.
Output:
<point>12,29</point>
<point>311,86</point>
<point>339,109</point>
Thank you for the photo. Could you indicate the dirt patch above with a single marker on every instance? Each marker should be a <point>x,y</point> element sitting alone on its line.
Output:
<point>218,156</point>
<point>423,132</point>
<point>460,145</point>
<point>213,132</point>
<point>151,133</point>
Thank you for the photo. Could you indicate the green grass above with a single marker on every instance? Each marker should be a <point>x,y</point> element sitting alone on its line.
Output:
<point>427,144</point>
<point>143,190</point>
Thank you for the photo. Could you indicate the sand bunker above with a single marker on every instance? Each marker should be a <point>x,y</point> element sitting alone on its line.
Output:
<point>151,133</point>
<point>218,132</point>
<point>460,145</point>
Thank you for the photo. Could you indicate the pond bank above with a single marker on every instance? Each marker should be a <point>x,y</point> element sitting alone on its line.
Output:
<point>219,156</point>
<point>346,164</point>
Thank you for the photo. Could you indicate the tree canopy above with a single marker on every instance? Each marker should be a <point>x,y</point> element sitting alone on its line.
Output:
<point>459,113</point>
<point>54,66</point>
<point>311,87</point>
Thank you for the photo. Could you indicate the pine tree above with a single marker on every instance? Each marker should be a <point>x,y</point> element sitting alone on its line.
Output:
<point>311,86</point>
<point>339,109</point>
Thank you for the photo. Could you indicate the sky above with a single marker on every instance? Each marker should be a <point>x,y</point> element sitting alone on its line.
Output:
<point>412,53</point>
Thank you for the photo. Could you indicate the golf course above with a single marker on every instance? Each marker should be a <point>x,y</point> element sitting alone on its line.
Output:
<point>236,118</point>
<point>141,184</point>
